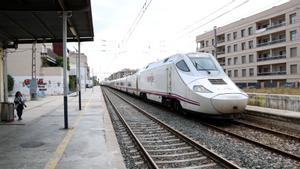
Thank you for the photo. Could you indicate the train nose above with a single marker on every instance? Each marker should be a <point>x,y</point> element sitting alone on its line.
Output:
<point>230,103</point>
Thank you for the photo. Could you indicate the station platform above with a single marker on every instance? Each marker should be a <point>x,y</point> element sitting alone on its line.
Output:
<point>274,112</point>
<point>40,140</point>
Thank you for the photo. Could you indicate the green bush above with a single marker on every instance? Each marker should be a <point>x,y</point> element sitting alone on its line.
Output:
<point>72,83</point>
<point>60,62</point>
<point>10,82</point>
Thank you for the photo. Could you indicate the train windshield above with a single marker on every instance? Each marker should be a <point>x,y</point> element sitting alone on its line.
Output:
<point>203,63</point>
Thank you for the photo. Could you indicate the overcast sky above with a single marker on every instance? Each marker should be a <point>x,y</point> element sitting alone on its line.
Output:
<point>167,27</point>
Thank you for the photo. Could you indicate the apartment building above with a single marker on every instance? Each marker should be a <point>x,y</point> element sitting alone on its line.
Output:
<point>261,50</point>
<point>84,67</point>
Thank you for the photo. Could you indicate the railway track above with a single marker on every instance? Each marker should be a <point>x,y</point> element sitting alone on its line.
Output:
<point>160,145</point>
<point>272,140</point>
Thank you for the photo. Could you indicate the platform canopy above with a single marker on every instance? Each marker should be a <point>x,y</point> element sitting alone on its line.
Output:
<point>26,21</point>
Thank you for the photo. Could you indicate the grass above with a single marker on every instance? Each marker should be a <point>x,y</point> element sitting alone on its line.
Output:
<point>290,91</point>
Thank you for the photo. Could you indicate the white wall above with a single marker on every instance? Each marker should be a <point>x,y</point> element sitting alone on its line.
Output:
<point>49,85</point>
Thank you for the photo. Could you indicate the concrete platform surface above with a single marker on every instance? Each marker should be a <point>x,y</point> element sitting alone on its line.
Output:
<point>275,112</point>
<point>40,142</point>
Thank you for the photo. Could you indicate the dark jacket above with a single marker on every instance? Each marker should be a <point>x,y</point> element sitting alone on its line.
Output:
<point>19,102</point>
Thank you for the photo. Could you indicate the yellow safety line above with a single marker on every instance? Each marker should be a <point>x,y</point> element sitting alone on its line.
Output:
<point>52,163</point>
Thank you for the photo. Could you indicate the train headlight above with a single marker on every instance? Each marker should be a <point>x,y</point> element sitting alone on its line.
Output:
<point>201,89</point>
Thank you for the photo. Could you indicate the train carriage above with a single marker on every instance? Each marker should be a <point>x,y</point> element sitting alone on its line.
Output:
<point>192,81</point>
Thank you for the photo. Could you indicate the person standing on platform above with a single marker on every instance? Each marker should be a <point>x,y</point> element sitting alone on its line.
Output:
<point>19,104</point>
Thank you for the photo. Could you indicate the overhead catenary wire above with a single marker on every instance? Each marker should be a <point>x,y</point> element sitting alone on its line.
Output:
<point>205,17</point>
<point>131,29</point>
<point>136,21</point>
<point>217,17</point>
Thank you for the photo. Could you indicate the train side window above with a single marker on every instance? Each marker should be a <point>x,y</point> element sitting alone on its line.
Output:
<point>166,60</point>
<point>181,65</point>
<point>129,84</point>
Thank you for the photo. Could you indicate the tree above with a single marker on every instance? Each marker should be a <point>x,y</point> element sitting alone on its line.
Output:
<point>10,82</point>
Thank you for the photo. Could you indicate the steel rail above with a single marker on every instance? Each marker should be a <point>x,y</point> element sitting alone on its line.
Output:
<point>281,152</point>
<point>267,130</point>
<point>141,147</point>
<point>215,157</point>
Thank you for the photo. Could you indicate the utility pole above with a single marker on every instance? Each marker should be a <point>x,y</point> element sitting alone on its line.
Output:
<point>215,44</point>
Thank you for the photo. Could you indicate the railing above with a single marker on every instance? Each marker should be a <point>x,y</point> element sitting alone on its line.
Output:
<point>262,44</point>
<point>221,41</point>
<point>271,58</point>
<point>271,73</point>
<point>270,42</point>
<point>270,27</point>
<point>276,26</point>
<point>220,52</point>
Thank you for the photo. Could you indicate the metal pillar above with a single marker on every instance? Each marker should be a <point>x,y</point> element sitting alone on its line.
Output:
<point>215,44</point>
<point>79,76</point>
<point>33,84</point>
<point>5,75</point>
<point>64,20</point>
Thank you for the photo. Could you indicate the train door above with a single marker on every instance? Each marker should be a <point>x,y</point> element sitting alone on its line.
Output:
<point>169,79</point>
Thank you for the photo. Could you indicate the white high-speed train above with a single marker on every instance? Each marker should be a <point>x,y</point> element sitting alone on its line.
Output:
<point>191,81</point>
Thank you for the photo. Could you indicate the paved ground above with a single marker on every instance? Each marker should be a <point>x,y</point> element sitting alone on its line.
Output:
<point>39,141</point>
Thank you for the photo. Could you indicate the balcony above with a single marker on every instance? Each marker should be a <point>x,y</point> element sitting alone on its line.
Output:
<point>271,73</point>
<point>220,50</point>
<point>275,26</point>
<point>270,42</point>
<point>271,58</point>
<point>220,38</point>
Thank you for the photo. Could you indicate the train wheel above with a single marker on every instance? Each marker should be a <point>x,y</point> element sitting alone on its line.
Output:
<point>143,96</point>
<point>176,106</point>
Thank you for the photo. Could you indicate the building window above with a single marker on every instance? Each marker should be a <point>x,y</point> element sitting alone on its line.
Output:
<point>293,35</point>
<point>293,52</point>
<point>250,44</point>
<point>228,37</point>
<point>235,60</point>
<point>229,61</point>
<point>243,72</point>
<point>293,18</point>
<point>206,43</point>
<point>251,59</point>
<point>250,31</point>
<point>242,32</point>
<point>234,35</point>
<point>243,46</point>
<point>213,42</point>
<point>235,47</point>
<point>229,73</point>
<point>251,72</point>
<point>236,73</point>
<point>293,69</point>
<point>228,49</point>
<point>243,59</point>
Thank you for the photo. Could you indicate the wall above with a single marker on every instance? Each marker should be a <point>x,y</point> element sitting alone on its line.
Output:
<point>276,101</point>
<point>47,85</point>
